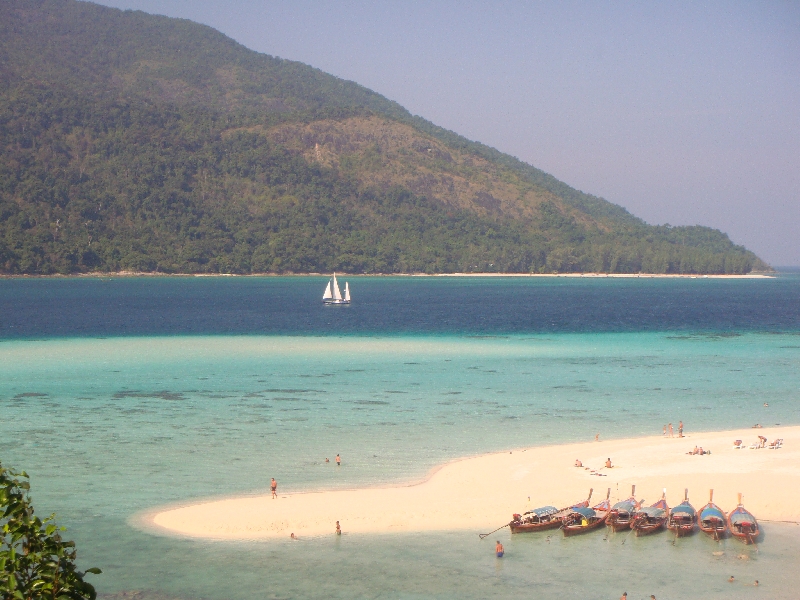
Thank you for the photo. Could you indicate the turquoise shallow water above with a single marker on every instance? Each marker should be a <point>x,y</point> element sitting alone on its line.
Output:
<point>108,427</point>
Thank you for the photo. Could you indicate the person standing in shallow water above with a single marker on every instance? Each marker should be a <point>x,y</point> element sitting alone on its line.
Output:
<point>338,461</point>
<point>338,529</point>
<point>273,485</point>
<point>498,549</point>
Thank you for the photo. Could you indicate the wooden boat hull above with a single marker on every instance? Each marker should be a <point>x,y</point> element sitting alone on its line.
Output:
<point>570,530</point>
<point>651,519</point>
<point>682,530</point>
<point>619,525</point>
<point>747,538</point>
<point>717,527</point>
<point>716,532</point>
<point>647,528</point>
<point>682,518</point>
<point>743,525</point>
<point>531,527</point>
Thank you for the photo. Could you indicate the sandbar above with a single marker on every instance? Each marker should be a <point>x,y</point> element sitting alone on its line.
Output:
<point>481,493</point>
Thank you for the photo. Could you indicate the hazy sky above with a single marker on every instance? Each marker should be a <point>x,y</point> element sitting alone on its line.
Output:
<point>684,113</point>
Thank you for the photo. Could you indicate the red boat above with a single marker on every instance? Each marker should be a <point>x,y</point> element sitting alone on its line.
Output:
<point>546,517</point>
<point>743,524</point>
<point>651,518</point>
<point>682,518</point>
<point>712,520</point>
<point>583,519</point>
<point>622,512</point>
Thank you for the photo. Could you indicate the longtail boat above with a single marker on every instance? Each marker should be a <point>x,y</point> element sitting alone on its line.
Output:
<point>622,512</point>
<point>711,519</point>
<point>546,517</point>
<point>743,524</point>
<point>682,518</point>
<point>650,519</point>
<point>583,519</point>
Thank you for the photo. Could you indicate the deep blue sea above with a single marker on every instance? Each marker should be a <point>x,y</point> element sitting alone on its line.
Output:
<point>118,395</point>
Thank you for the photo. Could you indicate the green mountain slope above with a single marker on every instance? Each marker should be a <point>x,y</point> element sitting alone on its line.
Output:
<point>135,142</point>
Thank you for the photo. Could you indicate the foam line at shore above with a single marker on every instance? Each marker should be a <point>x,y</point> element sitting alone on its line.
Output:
<point>482,492</point>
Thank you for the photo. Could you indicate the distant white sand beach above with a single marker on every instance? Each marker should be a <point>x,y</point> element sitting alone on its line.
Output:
<point>345,274</point>
<point>481,493</point>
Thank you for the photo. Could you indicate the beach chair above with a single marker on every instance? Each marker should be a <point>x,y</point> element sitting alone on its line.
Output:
<point>737,444</point>
<point>755,445</point>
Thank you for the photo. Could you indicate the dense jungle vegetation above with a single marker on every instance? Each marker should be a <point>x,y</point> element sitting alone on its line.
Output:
<point>135,142</point>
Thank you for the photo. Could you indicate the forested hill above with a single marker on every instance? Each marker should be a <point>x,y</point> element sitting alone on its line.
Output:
<point>135,142</point>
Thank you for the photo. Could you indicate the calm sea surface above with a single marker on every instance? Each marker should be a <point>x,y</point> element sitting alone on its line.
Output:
<point>118,395</point>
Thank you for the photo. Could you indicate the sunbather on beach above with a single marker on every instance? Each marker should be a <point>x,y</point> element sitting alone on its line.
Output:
<point>578,463</point>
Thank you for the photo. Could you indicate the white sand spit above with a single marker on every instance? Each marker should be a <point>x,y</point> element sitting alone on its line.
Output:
<point>481,493</point>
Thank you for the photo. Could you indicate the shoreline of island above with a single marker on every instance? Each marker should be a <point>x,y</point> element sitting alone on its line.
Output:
<point>145,274</point>
<point>481,492</point>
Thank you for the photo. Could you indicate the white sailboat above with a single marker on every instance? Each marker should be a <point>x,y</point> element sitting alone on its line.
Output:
<point>333,295</point>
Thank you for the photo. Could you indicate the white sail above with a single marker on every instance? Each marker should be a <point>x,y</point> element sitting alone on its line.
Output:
<point>346,292</point>
<point>337,294</point>
<point>327,295</point>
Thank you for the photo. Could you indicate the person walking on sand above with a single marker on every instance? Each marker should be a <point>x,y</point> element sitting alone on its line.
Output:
<point>273,485</point>
<point>498,549</point>
<point>671,433</point>
<point>338,529</point>
<point>680,429</point>
<point>597,438</point>
<point>338,461</point>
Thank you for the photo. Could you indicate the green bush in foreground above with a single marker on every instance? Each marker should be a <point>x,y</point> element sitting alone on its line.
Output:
<point>35,562</point>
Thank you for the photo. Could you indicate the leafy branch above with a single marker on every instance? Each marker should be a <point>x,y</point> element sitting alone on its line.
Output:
<point>36,563</point>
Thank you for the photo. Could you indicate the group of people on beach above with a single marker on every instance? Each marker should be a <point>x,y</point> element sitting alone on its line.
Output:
<point>672,431</point>
<point>273,486</point>
<point>608,465</point>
